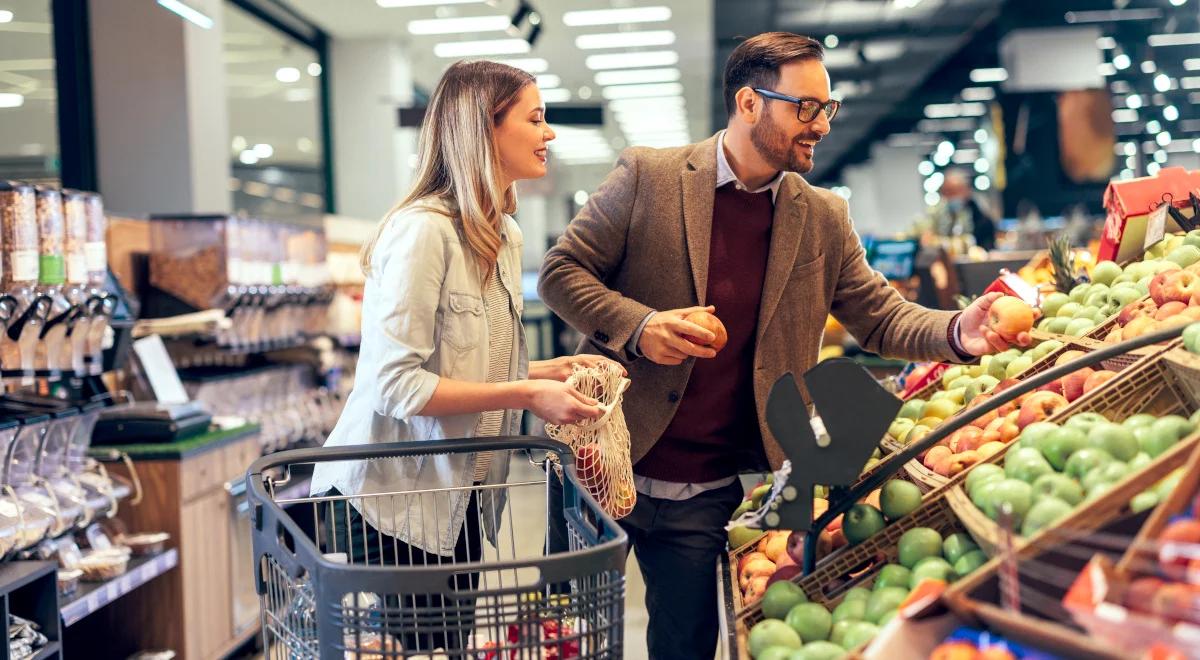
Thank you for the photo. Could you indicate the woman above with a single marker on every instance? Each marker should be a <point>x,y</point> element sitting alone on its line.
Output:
<point>443,353</point>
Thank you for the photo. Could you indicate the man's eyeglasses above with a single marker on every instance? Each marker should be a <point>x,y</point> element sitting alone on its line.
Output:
<point>806,109</point>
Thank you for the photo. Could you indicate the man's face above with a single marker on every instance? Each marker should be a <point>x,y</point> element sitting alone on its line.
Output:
<point>780,138</point>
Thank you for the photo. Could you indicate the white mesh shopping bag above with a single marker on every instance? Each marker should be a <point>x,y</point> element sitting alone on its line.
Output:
<point>601,445</point>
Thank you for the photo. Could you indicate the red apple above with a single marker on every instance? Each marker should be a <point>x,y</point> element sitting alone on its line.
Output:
<point>1137,308</point>
<point>1138,327</point>
<point>746,559</point>
<point>1180,285</point>
<point>756,587</point>
<point>1073,382</point>
<point>1156,288</point>
<point>1009,317</point>
<point>1169,309</point>
<point>1097,379</point>
<point>1193,310</point>
<point>1055,386</point>
<point>785,573</point>
<point>968,437</point>
<point>1039,406</point>
<point>1068,356</point>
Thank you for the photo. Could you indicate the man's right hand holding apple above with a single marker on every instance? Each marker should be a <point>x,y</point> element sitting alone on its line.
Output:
<point>664,339</point>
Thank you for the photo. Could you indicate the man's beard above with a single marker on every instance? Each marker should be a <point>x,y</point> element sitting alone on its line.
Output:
<point>777,149</point>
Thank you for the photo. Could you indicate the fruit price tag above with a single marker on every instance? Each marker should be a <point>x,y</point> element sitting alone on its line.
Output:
<point>1156,225</point>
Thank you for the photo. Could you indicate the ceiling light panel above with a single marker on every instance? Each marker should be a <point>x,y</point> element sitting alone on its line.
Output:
<point>648,58</point>
<point>1181,39</point>
<point>625,39</point>
<point>476,48</point>
<point>459,25</point>
<point>393,4</point>
<point>616,16</point>
<point>642,91</point>
<point>528,64</point>
<point>636,76</point>
<point>559,95</point>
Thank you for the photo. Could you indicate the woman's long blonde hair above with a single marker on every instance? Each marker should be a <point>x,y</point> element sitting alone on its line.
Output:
<point>457,159</point>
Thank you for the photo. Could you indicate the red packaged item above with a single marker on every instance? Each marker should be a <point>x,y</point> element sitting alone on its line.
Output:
<point>1011,284</point>
<point>1129,205</point>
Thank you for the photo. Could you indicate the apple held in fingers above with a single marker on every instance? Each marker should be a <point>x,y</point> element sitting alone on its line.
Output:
<point>711,323</point>
<point>1009,317</point>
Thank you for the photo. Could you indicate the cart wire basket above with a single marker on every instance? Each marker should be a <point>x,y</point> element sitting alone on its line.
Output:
<point>331,586</point>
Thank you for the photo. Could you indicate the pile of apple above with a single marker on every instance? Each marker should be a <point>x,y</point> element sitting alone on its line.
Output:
<point>990,433</point>
<point>794,628</point>
<point>1051,468</point>
<point>1173,595</point>
<point>962,386</point>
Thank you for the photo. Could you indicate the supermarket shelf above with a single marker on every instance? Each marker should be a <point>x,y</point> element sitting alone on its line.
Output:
<point>48,651</point>
<point>16,574</point>
<point>94,596</point>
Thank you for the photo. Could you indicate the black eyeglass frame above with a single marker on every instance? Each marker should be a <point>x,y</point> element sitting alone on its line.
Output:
<point>830,107</point>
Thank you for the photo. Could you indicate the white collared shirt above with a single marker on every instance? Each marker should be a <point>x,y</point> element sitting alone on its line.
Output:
<point>725,172</point>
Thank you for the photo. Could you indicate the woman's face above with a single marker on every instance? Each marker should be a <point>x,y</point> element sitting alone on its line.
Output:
<point>521,138</point>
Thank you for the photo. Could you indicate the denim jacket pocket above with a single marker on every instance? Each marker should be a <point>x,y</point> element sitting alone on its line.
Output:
<point>462,321</point>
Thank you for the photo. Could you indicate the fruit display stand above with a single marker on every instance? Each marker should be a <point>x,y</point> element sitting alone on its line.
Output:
<point>1150,388</point>
<point>1127,605</point>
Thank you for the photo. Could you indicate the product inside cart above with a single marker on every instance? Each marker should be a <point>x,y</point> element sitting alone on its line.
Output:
<point>330,585</point>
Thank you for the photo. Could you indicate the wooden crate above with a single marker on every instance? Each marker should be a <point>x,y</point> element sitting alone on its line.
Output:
<point>1149,388</point>
<point>1045,571</point>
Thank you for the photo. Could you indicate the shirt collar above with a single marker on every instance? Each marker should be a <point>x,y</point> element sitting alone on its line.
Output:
<point>725,173</point>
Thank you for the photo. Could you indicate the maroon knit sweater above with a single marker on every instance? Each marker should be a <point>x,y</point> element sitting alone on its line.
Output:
<point>715,429</point>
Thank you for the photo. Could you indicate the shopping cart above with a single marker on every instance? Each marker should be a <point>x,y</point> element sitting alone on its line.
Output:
<point>329,587</point>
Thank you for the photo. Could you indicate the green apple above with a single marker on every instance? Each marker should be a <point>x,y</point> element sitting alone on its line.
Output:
<point>1046,348</point>
<point>917,544</point>
<point>1079,292</point>
<point>861,522</point>
<point>1097,297</point>
<point>1123,294</point>
<point>1114,439</point>
<point>1184,255</point>
<point>1079,327</point>
<point>898,498</point>
<point>1026,464</point>
<point>1180,426</point>
<point>1058,485</point>
<point>1012,495</point>
<point>980,385</point>
<point>917,432</point>
<point>1147,499</point>
<point>941,408</point>
<point>900,427</point>
<point>857,593</point>
<point>1069,310</point>
<point>1165,487</point>
<point>998,366</point>
<point>892,575</point>
<point>1192,238</point>
<point>850,610</point>
<point>1140,419</point>
<point>1053,302</point>
<point>819,651</point>
<point>931,568</point>
<point>1045,512</point>
<point>976,370</point>
<point>1162,434</point>
<point>858,633</point>
<point>912,409</point>
<point>1059,444</point>
<point>1018,365</point>
<point>780,598</point>
<point>961,381</point>
<point>1191,338</point>
<point>1085,421</point>
<point>1105,272</point>
<point>811,621</point>
<point>1139,269</point>
<point>970,562</point>
<point>981,474</point>
<point>1124,278</point>
<point>771,632</point>
<point>886,599</point>
<point>956,545</point>
<point>1085,460</point>
<point>1109,473</point>
<point>950,374</point>
<point>1033,434</point>
<point>1141,460</point>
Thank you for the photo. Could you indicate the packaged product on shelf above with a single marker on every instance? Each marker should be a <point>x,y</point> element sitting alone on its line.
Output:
<point>51,237</point>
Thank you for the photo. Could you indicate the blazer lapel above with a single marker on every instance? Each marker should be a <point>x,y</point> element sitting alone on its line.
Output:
<point>699,183</point>
<point>791,214</point>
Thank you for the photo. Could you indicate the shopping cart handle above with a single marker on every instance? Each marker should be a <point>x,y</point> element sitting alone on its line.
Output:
<point>896,461</point>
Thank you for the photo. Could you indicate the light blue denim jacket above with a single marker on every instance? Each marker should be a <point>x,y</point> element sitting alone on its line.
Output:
<point>423,319</point>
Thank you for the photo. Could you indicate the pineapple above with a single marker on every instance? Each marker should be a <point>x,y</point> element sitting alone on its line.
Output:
<point>1062,262</point>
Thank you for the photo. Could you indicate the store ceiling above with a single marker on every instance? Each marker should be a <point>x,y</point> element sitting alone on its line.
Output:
<point>28,128</point>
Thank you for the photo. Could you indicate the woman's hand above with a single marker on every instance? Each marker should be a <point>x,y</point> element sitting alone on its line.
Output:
<point>560,368</point>
<point>559,403</point>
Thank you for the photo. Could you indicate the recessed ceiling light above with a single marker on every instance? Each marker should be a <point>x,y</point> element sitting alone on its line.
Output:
<point>997,74</point>
<point>555,95</point>
<point>1124,115</point>
<point>1178,39</point>
<point>625,39</point>
<point>635,76</point>
<point>831,41</point>
<point>459,25</point>
<point>548,81</point>
<point>263,150</point>
<point>978,94</point>
<point>631,60</point>
<point>6,16</point>
<point>314,69</point>
<point>1122,62</point>
<point>9,100</point>
<point>486,47</point>
<point>1106,43</point>
<point>1170,113</point>
<point>287,74</point>
<point>616,16</point>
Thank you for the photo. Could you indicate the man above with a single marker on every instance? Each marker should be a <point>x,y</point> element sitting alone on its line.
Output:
<point>727,223</point>
<point>960,213</point>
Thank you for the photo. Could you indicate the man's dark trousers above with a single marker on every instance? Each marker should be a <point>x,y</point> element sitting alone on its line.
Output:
<point>677,544</point>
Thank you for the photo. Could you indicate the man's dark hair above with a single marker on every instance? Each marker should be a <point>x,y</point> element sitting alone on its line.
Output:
<point>756,61</point>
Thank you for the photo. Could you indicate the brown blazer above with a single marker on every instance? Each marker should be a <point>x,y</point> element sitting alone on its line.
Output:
<point>641,244</point>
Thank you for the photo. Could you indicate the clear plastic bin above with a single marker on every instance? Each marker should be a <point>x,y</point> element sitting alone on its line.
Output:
<point>193,258</point>
<point>36,510</point>
<point>51,466</point>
